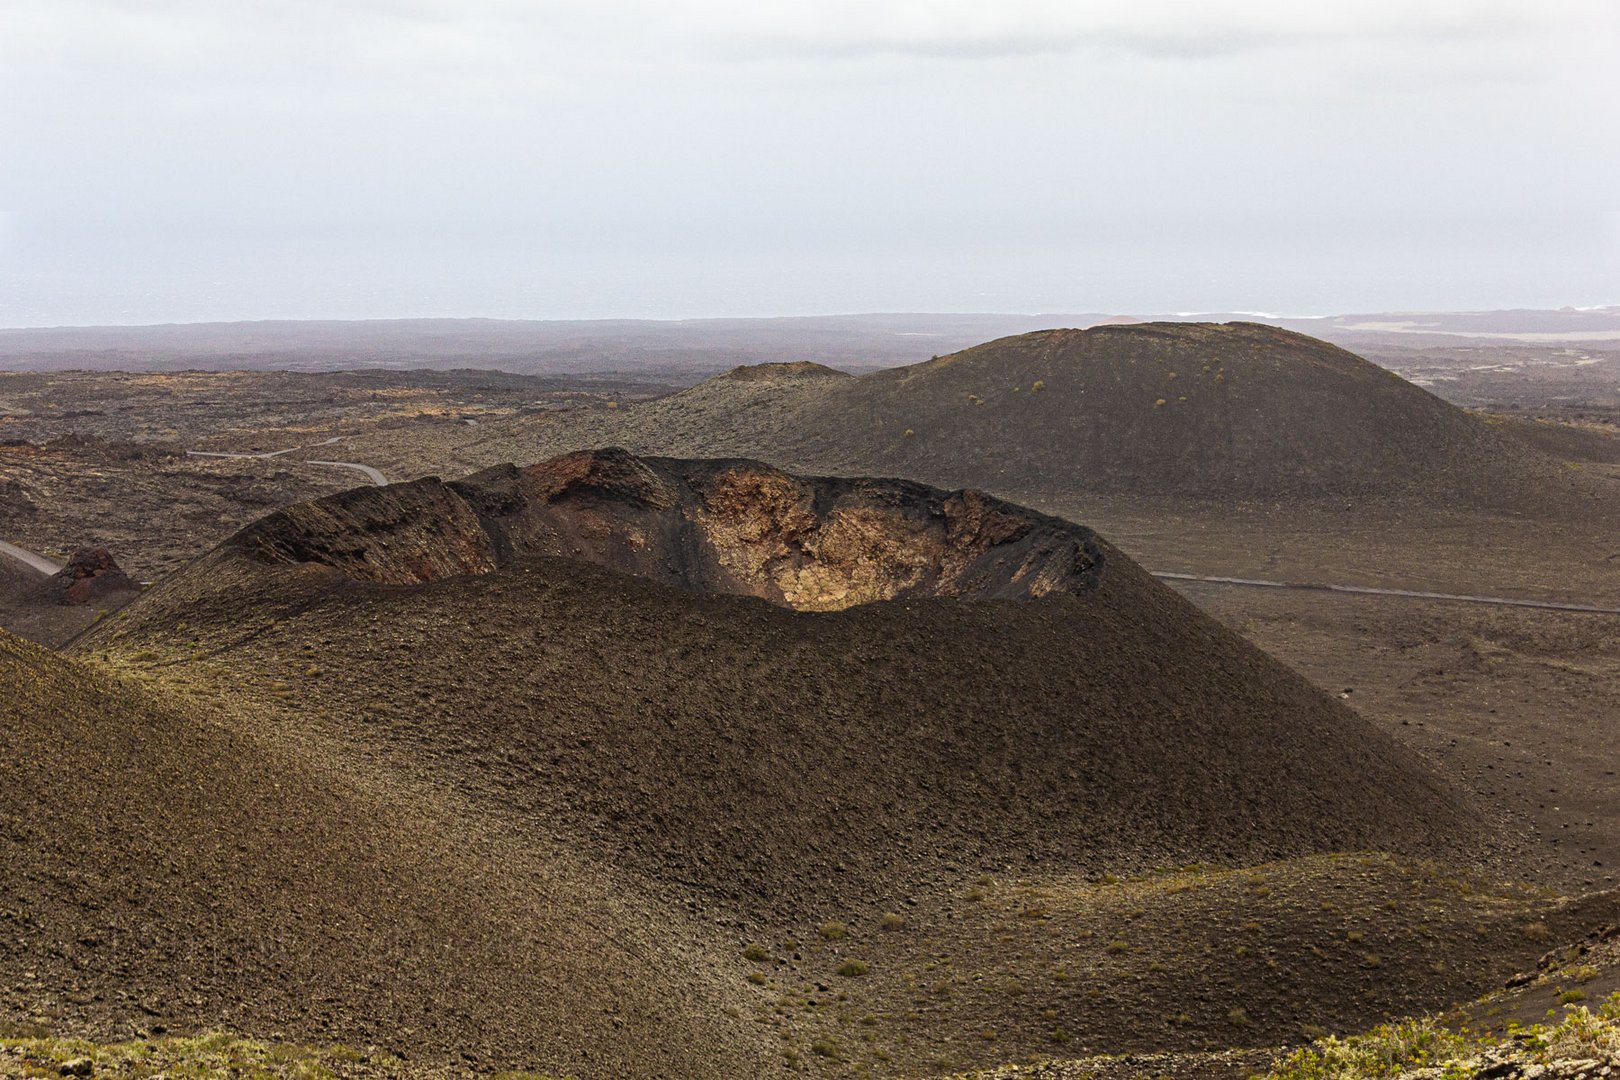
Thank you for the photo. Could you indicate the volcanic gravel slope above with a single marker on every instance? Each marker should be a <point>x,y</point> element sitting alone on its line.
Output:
<point>1158,409</point>
<point>30,605</point>
<point>181,866</point>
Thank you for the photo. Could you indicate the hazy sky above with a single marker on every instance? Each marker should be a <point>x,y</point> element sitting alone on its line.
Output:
<point>176,160</point>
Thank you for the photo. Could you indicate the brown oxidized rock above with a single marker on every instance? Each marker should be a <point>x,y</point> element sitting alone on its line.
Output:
<point>723,526</point>
<point>90,575</point>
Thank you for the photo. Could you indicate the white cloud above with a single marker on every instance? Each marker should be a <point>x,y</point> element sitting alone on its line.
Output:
<point>964,29</point>
<point>464,30</point>
<point>452,127</point>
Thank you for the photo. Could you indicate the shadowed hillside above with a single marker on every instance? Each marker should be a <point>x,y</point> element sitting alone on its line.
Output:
<point>165,864</point>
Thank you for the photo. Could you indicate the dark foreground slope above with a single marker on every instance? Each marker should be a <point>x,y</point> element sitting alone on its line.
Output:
<point>789,760</point>
<point>164,865</point>
<point>1223,411</point>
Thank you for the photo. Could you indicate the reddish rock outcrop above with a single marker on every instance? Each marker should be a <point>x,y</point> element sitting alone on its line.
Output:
<point>91,575</point>
<point>737,527</point>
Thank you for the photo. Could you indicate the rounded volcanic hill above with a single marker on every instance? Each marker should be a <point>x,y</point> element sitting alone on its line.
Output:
<point>1194,410</point>
<point>1180,409</point>
<point>791,695</point>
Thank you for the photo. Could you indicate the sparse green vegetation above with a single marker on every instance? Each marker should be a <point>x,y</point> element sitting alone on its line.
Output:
<point>833,931</point>
<point>1384,1051</point>
<point>208,1055</point>
<point>854,968</point>
<point>1391,1049</point>
<point>757,953</point>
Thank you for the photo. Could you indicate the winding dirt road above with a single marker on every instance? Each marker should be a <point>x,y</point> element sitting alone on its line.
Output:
<point>1368,590</point>
<point>374,475</point>
<point>48,567</point>
<point>29,559</point>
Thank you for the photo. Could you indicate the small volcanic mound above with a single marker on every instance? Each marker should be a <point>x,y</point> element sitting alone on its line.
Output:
<point>725,526</point>
<point>784,371</point>
<point>90,576</point>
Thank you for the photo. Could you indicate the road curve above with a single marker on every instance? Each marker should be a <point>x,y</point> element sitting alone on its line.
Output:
<point>229,454</point>
<point>1368,590</point>
<point>374,475</point>
<point>29,559</point>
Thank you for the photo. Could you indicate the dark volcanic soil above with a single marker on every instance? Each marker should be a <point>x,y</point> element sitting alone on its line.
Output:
<point>150,505</point>
<point>164,863</point>
<point>51,609</point>
<point>678,834</point>
<point>1520,706</point>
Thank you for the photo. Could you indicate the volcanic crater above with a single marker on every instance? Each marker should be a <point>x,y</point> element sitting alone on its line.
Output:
<point>722,526</point>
